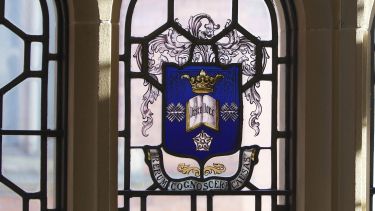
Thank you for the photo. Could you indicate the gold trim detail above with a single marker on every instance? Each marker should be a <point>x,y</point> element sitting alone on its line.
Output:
<point>253,154</point>
<point>202,83</point>
<point>216,168</point>
<point>187,169</point>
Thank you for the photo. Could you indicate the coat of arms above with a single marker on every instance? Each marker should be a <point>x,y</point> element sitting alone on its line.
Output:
<point>202,108</point>
<point>207,128</point>
<point>202,118</point>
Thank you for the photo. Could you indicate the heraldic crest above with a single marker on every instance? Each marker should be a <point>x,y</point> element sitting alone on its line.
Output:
<point>202,108</point>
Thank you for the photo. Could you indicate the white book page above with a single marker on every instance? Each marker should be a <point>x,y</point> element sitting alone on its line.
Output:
<point>210,112</point>
<point>194,117</point>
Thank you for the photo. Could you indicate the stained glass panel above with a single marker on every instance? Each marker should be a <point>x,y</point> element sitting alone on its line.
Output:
<point>205,105</point>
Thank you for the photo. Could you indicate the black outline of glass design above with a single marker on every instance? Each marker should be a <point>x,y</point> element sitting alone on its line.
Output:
<point>290,111</point>
<point>61,110</point>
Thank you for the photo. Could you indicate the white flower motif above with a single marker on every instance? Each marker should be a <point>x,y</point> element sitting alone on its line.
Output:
<point>202,141</point>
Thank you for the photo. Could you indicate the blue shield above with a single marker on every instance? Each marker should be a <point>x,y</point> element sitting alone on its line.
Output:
<point>202,110</point>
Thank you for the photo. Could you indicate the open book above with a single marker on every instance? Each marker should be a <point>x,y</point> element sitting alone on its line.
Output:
<point>202,110</point>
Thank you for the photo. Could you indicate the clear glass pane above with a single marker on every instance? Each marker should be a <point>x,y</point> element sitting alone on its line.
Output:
<point>281,98</point>
<point>254,16</point>
<point>148,16</point>
<point>202,203</point>
<point>140,178</point>
<point>266,203</point>
<point>123,12</point>
<point>281,28</point>
<point>22,106</point>
<point>52,95</point>
<point>53,26</point>
<point>51,173</point>
<point>163,203</point>
<point>34,205</point>
<point>120,201</point>
<point>121,97</point>
<point>21,161</point>
<point>11,56</point>
<point>235,203</point>
<point>135,204</point>
<point>9,200</point>
<point>120,162</point>
<point>17,10</point>
<point>281,169</point>
<point>36,56</point>
<point>262,171</point>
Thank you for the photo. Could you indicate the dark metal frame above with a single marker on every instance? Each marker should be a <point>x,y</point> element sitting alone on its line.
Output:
<point>61,118</point>
<point>291,92</point>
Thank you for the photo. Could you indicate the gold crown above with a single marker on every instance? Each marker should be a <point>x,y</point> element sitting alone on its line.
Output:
<point>202,83</point>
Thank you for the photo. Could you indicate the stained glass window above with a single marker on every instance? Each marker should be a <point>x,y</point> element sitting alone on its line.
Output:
<point>206,105</point>
<point>32,105</point>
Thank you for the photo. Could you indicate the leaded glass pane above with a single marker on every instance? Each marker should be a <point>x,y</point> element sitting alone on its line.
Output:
<point>32,105</point>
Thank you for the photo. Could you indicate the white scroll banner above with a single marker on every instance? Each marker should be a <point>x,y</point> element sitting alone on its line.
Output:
<point>248,158</point>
